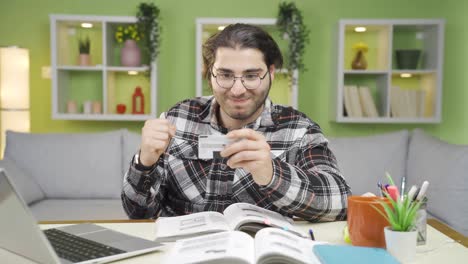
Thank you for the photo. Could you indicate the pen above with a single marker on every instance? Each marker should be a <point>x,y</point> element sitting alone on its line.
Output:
<point>412,192</point>
<point>422,191</point>
<point>379,185</point>
<point>402,187</point>
<point>311,233</point>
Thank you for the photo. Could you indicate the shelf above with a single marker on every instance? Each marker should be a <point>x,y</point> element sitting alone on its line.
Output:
<point>127,69</point>
<point>104,83</point>
<point>403,91</point>
<point>376,72</point>
<point>104,117</point>
<point>80,68</point>
<point>389,120</point>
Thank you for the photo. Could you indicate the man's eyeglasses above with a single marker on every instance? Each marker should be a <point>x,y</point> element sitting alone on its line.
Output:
<point>250,81</point>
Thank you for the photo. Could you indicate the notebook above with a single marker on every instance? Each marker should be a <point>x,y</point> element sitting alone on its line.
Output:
<point>337,254</point>
<point>91,243</point>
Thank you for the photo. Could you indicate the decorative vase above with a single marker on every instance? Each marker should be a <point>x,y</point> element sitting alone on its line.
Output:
<point>402,245</point>
<point>359,61</point>
<point>84,59</point>
<point>407,59</point>
<point>130,54</point>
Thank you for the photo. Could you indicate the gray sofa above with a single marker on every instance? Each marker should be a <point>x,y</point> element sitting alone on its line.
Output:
<point>79,176</point>
<point>70,176</point>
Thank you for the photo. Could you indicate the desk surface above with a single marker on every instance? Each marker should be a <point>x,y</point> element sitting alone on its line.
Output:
<point>439,248</point>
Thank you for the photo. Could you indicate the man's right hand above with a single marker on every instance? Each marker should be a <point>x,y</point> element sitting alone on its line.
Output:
<point>155,137</point>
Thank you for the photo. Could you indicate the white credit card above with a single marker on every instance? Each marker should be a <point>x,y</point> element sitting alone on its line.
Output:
<point>209,146</point>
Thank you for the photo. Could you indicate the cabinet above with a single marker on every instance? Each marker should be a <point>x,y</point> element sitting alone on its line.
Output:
<point>103,83</point>
<point>402,82</point>
<point>283,90</point>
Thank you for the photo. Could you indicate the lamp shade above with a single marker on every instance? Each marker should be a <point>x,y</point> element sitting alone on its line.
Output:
<point>14,78</point>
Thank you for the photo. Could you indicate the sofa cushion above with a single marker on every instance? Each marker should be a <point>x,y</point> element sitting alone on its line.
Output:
<point>28,188</point>
<point>364,160</point>
<point>99,209</point>
<point>445,166</point>
<point>70,165</point>
<point>131,145</point>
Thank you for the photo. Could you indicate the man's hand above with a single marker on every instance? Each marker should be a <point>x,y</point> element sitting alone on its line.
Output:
<point>155,137</point>
<point>251,153</point>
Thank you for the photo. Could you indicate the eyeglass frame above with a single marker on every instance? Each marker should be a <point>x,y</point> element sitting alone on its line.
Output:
<point>239,77</point>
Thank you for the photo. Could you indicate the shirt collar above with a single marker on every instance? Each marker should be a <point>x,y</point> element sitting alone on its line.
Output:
<point>264,120</point>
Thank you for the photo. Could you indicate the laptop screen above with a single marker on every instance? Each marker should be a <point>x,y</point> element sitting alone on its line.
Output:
<point>19,231</point>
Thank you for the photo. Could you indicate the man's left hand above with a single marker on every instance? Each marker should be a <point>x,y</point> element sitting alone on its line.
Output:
<point>252,153</point>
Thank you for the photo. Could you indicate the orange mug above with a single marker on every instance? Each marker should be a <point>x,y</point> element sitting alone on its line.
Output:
<point>365,224</point>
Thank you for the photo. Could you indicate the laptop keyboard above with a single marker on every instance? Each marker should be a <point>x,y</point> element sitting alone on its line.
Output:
<point>75,248</point>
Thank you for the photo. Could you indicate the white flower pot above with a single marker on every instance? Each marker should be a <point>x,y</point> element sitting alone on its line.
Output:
<point>402,245</point>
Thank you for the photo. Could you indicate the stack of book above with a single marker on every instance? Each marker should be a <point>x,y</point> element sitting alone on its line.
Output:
<point>359,102</point>
<point>407,102</point>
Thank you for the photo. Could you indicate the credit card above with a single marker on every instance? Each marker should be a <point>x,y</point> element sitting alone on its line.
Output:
<point>209,146</point>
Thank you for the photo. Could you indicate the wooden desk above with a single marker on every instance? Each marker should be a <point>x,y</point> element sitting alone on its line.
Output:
<point>439,248</point>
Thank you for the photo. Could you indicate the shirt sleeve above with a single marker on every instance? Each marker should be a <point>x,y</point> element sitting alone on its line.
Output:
<point>312,187</point>
<point>143,192</point>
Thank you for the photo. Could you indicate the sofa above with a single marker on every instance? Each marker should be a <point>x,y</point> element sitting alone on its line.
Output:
<point>70,176</point>
<point>79,176</point>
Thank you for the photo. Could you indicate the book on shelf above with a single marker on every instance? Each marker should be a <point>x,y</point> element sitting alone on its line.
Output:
<point>354,103</point>
<point>367,102</point>
<point>244,217</point>
<point>270,245</point>
<point>347,101</point>
<point>409,103</point>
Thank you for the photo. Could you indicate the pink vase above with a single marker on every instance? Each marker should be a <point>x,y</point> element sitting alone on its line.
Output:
<point>130,54</point>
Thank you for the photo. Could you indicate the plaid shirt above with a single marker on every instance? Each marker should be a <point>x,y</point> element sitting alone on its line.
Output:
<point>306,180</point>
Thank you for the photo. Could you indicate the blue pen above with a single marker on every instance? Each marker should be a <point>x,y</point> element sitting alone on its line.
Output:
<point>379,185</point>
<point>311,233</point>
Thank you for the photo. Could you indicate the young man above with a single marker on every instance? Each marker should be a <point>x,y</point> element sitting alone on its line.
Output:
<point>279,159</point>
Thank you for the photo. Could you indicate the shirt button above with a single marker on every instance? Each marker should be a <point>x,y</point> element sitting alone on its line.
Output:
<point>223,166</point>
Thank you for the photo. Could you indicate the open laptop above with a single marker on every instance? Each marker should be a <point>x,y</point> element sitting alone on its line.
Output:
<point>82,243</point>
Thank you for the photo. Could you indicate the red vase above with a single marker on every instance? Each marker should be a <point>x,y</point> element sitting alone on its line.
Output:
<point>130,54</point>
<point>138,101</point>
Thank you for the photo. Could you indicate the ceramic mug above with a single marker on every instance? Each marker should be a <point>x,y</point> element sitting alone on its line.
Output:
<point>365,224</point>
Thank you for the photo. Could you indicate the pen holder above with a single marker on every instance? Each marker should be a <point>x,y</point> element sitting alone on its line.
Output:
<point>421,223</point>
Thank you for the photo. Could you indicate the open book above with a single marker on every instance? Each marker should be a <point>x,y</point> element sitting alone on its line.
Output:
<point>270,245</point>
<point>239,216</point>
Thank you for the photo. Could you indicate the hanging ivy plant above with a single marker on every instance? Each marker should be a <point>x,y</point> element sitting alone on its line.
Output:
<point>291,26</point>
<point>148,24</point>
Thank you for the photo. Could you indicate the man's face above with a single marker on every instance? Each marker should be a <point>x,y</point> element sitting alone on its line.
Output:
<point>238,102</point>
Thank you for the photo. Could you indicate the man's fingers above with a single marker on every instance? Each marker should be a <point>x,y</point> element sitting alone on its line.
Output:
<point>245,133</point>
<point>244,156</point>
<point>242,145</point>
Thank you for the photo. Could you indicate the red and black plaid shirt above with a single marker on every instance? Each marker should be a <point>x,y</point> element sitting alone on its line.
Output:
<point>306,180</point>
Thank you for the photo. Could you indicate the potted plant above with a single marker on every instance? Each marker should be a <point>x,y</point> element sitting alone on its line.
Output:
<point>150,28</point>
<point>401,235</point>
<point>84,46</point>
<point>292,27</point>
<point>130,54</point>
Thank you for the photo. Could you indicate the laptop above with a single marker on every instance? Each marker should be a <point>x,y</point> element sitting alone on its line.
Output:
<point>81,243</point>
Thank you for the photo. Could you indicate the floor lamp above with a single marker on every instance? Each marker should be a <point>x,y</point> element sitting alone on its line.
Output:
<point>14,91</point>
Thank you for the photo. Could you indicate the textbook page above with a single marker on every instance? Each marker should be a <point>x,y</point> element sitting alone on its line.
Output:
<point>254,217</point>
<point>226,247</point>
<point>178,227</point>
<point>274,245</point>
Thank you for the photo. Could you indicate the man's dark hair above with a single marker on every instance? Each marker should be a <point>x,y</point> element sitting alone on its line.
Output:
<point>241,36</point>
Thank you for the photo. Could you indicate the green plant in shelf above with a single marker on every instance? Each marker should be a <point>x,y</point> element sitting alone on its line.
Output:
<point>84,45</point>
<point>130,31</point>
<point>402,212</point>
<point>149,25</point>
